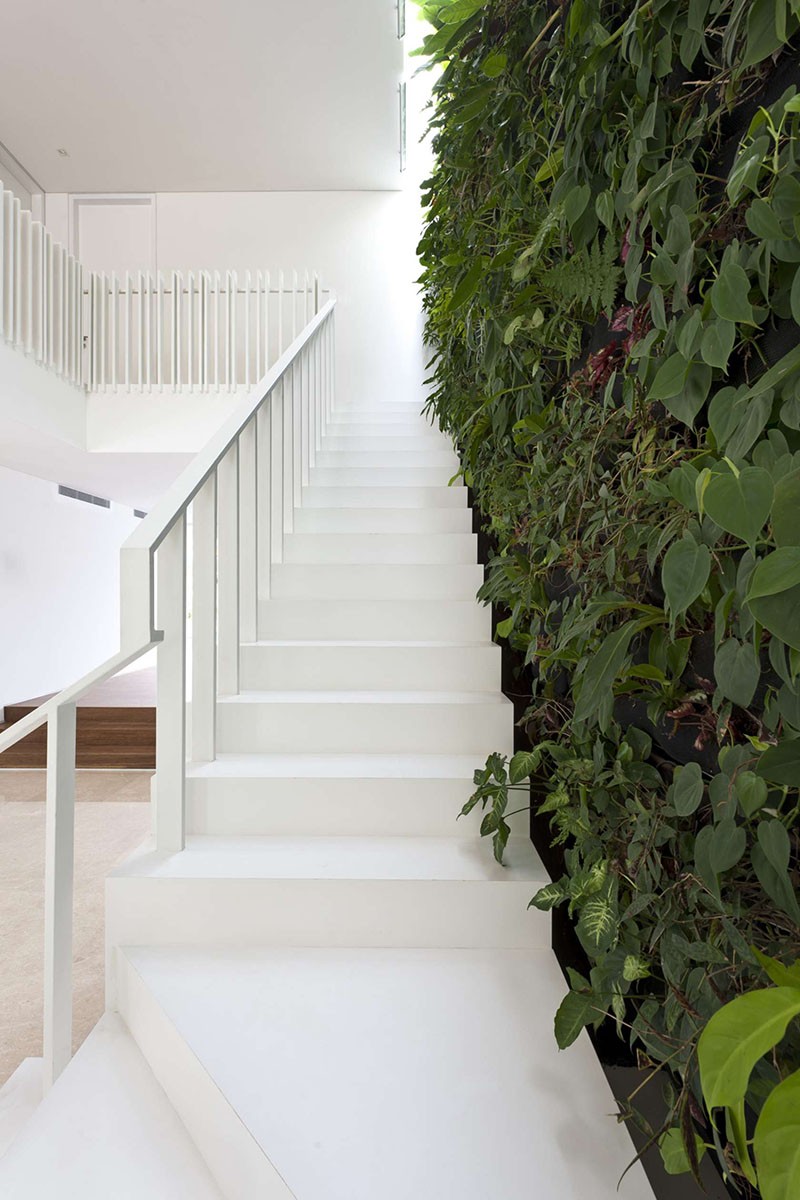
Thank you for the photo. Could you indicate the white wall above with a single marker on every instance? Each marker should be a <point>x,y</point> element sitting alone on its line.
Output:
<point>362,243</point>
<point>59,586</point>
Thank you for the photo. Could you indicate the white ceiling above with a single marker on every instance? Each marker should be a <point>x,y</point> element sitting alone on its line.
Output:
<point>202,95</point>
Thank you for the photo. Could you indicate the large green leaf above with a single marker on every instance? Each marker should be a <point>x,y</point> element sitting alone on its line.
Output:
<point>786,509</point>
<point>778,572</point>
<point>781,764</point>
<point>673,1152</point>
<point>686,404</point>
<point>776,1142</point>
<point>575,1012</point>
<point>687,789</point>
<point>684,573</point>
<point>602,669</point>
<point>717,343</point>
<point>741,503</point>
<point>774,594</point>
<point>737,1036</point>
<point>729,294</point>
<point>737,671</point>
<point>670,378</point>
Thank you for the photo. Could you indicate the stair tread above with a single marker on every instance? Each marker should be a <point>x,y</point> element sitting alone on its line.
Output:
<point>337,766</point>
<point>375,1072</point>
<point>106,1130</point>
<point>254,856</point>
<point>461,644</point>
<point>364,697</point>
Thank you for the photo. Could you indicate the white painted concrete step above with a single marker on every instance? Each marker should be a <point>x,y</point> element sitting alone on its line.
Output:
<point>411,548</point>
<point>386,442</point>
<point>376,581</point>
<point>383,520</point>
<point>328,891</point>
<point>335,795</point>
<point>366,665</point>
<point>20,1096</point>
<point>370,722</point>
<point>379,620</point>
<point>382,477</point>
<point>378,1074</point>
<point>106,1131</point>
<point>444,460</point>
<point>436,495</point>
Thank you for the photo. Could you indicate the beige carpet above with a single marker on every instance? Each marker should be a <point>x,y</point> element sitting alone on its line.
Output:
<point>110,821</point>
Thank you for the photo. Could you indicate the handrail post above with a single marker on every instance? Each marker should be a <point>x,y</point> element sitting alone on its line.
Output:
<point>251,518</point>
<point>262,501</point>
<point>228,572</point>
<point>58,884</point>
<point>204,622</point>
<point>170,779</point>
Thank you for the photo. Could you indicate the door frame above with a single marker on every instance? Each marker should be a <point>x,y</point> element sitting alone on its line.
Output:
<point>78,200</point>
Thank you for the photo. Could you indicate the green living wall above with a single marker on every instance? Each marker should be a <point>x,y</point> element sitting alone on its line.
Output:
<point>611,275</point>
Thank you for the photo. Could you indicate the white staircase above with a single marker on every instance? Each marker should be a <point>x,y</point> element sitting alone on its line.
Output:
<point>333,992</point>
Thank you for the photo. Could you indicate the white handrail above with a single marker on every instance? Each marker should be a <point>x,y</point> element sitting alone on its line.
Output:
<point>241,489</point>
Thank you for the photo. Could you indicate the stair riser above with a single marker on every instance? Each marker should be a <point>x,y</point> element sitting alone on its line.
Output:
<point>323,912</point>
<point>314,807</point>
<point>380,548</point>
<point>387,620</point>
<point>374,581</point>
<point>371,668</point>
<point>380,476</point>
<point>239,1166</point>
<point>251,727</point>
<point>383,520</point>
<point>387,443</point>
<point>440,496</point>
<point>442,460</point>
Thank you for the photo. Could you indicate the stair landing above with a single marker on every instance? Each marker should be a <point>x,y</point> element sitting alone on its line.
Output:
<point>375,1074</point>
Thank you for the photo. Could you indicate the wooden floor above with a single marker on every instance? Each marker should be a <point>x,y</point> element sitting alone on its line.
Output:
<point>116,726</point>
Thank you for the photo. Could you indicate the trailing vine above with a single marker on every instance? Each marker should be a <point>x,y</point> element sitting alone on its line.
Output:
<point>611,276</point>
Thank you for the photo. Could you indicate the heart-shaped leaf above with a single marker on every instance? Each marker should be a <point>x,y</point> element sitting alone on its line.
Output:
<point>741,503</point>
<point>729,294</point>
<point>684,573</point>
<point>786,510</point>
<point>687,789</point>
<point>737,671</point>
<point>717,343</point>
<point>669,378</point>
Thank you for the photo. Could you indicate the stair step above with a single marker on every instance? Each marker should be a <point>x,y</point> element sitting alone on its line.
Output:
<point>20,1096</point>
<point>444,460</point>
<point>106,1130</point>
<point>398,496</point>
<point>373,722</point>
<point>330,795</point>
<point>412,548</point>
<point>386,442</point>
<point>376,581</point>
<point>360,665</point>
<point>380,476</point>
<point>380,620</point>
<point>328,891</point>
<point>383,520</point>
<point>365,1073</point>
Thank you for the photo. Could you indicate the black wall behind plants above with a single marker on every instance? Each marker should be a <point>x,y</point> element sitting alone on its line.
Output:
<point>612,284</point>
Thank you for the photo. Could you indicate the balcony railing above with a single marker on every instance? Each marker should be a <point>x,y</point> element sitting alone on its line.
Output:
<point>188,330</point>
